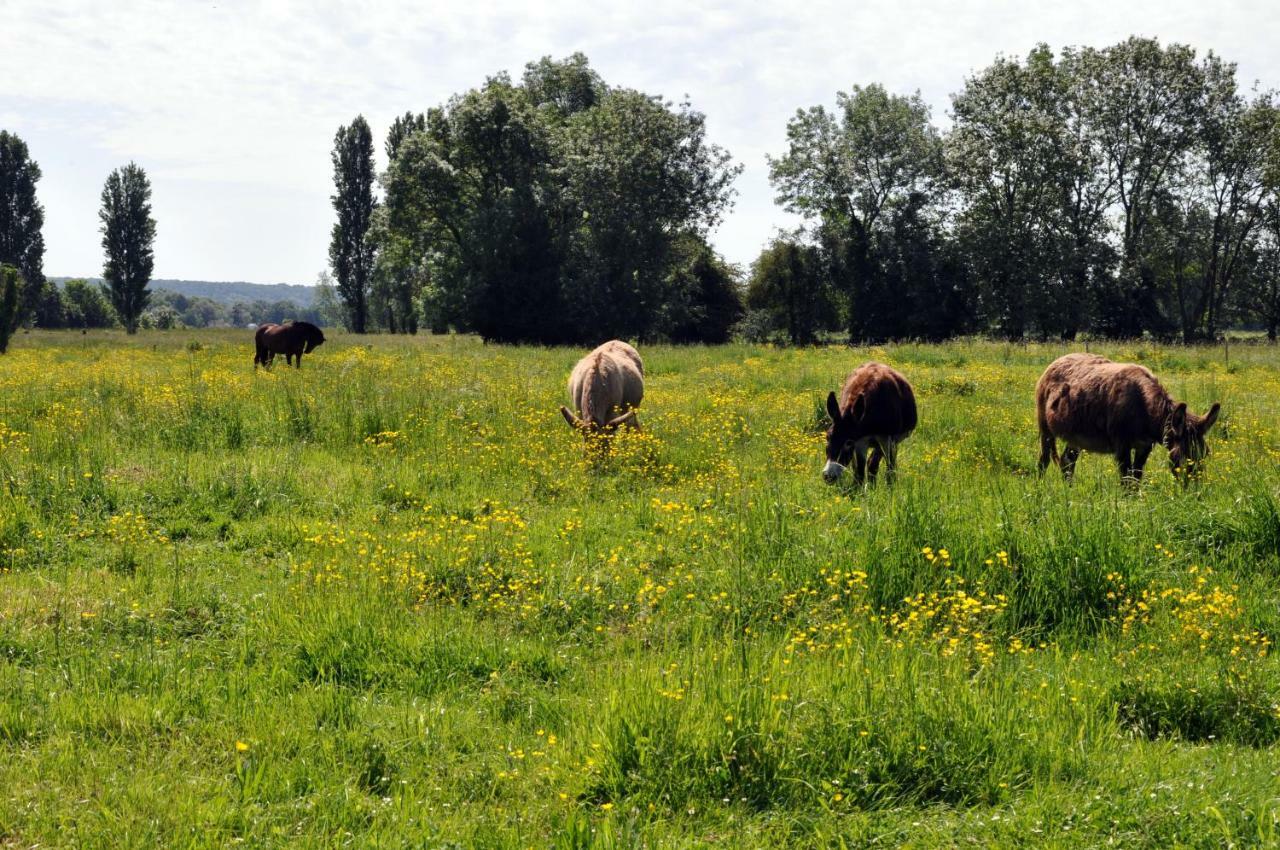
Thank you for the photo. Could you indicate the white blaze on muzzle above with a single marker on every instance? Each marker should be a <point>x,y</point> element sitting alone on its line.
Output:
<point>832,471</point>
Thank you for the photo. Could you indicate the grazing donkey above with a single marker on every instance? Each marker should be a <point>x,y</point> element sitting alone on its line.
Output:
<point>876,411</point>
<point>606,387</point>
<point>1117,408</point>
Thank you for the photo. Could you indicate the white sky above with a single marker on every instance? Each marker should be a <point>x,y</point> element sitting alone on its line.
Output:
<point>232,106</point>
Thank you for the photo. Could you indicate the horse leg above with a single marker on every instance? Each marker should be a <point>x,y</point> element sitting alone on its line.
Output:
<point>297,360</point>
<point>1069,457</point>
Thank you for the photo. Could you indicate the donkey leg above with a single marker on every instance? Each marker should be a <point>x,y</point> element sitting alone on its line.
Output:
<point>873,462</point>
<point>1069,457</point>
<point>1140,455</point>
<point>297,360</point>
<point>859,465</point>
<point>1048,450</point>
<point>1124,461</point>
<point>891,461</point>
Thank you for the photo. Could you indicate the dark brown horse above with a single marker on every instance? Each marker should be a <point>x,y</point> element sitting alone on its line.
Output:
<point>292,339</point>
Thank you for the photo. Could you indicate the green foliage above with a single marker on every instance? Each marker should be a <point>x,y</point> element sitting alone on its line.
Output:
<point>789,287</point>
<point>11,289</point>
<point>707,299</point>
<point>87,306</point>
<point>555,209</point>
<point>351,251</point>
<point>128,236</point>
<point>1118,191</point>
<point>21,218</point>
<point>855,173</point>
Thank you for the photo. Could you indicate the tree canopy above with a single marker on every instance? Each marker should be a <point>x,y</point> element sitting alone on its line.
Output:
<point>557,209</point>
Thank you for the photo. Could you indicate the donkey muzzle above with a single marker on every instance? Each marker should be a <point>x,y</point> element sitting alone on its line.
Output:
<point>831,472</point>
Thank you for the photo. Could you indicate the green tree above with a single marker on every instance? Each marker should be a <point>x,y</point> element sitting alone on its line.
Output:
<point>328,307</point>
<point>87,306</point>
<point>50,312</point>
<point>1202,233</point>
<point>789,287</point>
<point>552,211</point>
<point>351,252</point>
<point>397,277</point>
<point>639,173</point>
<point>21,218</point>
<point>1010,161</point>
<point>707,294</point>
<point>1147,106</point>
<point>128,236</point>
<point>401,128</point>
<point>10,304</point>
<point>848,171</point>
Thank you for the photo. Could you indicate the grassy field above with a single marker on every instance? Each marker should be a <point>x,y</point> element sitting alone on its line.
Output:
<point>390,600</point>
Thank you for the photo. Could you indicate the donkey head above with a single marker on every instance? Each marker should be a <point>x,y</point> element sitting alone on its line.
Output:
<point>589,427</point>
<point>846,429</point>
<point>1184,438</point>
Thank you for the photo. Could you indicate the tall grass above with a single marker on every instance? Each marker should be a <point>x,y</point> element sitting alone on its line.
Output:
<point>389,599</point>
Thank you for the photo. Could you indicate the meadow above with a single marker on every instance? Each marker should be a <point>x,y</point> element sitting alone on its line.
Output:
<point>391,600</point>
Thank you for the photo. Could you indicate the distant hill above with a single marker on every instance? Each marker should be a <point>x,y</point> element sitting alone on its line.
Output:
<point>231,292</point>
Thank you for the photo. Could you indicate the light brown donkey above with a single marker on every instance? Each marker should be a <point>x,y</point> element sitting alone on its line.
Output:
<point>1118,408</point>
<point>606,388</point>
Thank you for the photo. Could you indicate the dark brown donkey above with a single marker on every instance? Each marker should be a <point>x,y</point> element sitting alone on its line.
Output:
<point>876,410</point>
<point>292,340</point>
<point>1118,408</point>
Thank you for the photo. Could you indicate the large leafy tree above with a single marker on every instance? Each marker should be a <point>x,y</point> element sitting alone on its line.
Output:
<point>706,294</point>
<point>1147,105</point>
<point>128,237</point>
<point>552,210</point>
<point>847,171</point>
<point>638,173</point>
<point>1010,156</point>
<point>21,218</point>
<point>351,251</point>
<point>1202,235</point>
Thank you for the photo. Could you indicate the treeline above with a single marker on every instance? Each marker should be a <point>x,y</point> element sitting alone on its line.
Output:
<point>1119,192</point>
<point>1122,191</point>
<point>83,304</point>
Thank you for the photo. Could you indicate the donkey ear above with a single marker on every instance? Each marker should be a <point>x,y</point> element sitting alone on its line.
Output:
<point>1178,419</point>
<point>833,407</point>
<point>574,422</point>
<point>1210,418</point>
<point>859,406</point>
